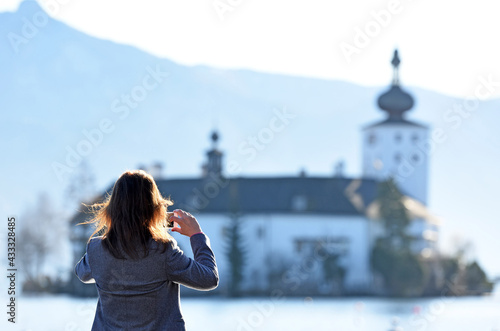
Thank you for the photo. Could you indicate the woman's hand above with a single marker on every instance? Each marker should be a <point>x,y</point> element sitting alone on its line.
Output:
<point>187,222</point>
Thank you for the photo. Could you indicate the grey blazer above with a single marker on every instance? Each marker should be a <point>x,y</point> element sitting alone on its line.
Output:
<point>144,294</point>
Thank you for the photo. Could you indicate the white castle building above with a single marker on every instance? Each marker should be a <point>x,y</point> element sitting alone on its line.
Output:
<point>391,146</point>
<point>288,225</point>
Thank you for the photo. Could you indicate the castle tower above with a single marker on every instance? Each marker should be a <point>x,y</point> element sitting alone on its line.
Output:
<point>393,146</point>
<point>213,166</point>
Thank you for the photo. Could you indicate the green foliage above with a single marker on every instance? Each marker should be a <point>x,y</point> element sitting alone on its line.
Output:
<point>402,271</point>
<point>408,278</point>
<point>393,213</point>
<point>450,267</point>
<point>332,270</point>
<point>381,258</point>
<point>235,254</point>
<point>476,280</point>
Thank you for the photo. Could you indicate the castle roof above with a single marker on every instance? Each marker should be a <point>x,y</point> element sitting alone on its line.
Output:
<point>256,195</point>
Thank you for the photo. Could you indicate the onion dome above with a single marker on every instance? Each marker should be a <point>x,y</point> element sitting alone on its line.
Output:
<point>395,101</point>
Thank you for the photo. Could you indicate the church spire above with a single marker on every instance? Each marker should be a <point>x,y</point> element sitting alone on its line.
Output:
<point>395,64</point>
<point>395,101</point>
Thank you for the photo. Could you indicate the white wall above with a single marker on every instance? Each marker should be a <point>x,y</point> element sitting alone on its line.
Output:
<point>379,157</point>
<point>278,235</point>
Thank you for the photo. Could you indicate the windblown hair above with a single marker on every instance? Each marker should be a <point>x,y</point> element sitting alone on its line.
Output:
<point>134,213</point>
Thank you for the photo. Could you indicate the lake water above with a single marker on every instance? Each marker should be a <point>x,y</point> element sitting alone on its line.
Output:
<point>54,313</point>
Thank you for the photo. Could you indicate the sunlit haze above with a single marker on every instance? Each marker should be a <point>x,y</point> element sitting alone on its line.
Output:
<point>445,46</point>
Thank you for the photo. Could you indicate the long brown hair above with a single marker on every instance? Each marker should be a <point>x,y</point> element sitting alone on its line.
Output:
<point>135,211</point>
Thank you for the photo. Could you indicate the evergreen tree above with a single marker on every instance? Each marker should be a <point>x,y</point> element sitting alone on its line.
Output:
<point>402,271</point>
<point>333,272</point>
<point>235,254</point>
<point>476,280</point>
<point>393,214</point>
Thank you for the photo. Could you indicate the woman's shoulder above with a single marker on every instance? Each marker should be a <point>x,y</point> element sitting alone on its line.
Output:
<point>95,240</point>
<point>96,244</point>
<point>157,244</point>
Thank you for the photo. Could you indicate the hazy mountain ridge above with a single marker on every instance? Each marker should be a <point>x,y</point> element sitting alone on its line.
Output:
<point>63,82</point>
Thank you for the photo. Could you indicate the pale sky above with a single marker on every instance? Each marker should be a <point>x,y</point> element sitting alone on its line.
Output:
<point>444,45</point>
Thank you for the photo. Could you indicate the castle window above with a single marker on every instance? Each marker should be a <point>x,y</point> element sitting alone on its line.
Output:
<point>260,232</point>
<point>372,139</point>
<point>398,137</point>
<point>299,203</point>
<point>415,158</point>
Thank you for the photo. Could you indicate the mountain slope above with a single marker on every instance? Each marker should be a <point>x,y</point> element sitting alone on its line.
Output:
<point>62,83</point>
